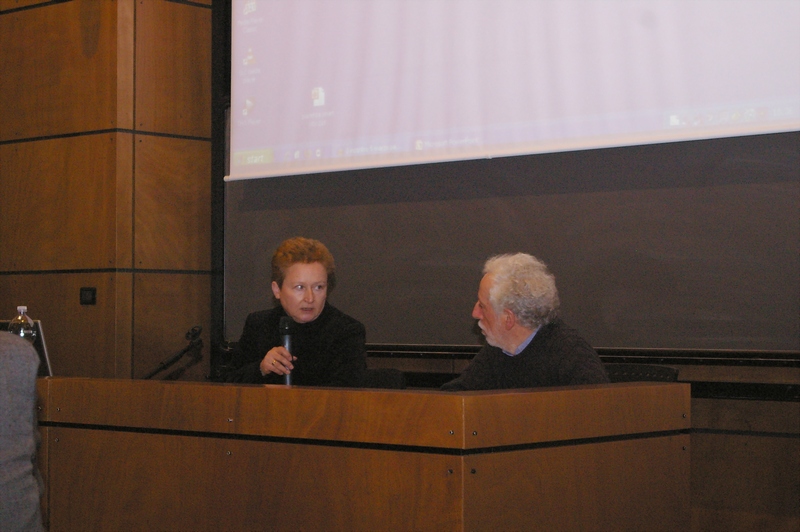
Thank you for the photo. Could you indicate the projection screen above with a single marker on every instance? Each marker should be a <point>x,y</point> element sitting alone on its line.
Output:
<point>647,151</point>
<point>321,85</point>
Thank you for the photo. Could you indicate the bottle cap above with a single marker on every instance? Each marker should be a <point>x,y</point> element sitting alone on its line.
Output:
<point>22,309</point>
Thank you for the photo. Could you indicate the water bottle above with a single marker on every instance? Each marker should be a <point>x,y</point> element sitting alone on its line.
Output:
<point>22,325</point>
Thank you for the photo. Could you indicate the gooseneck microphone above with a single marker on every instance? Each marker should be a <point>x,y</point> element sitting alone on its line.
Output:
<point>286,337</point>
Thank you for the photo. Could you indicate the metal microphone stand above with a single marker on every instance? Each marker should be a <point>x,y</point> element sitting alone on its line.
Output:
<point>195,343</point>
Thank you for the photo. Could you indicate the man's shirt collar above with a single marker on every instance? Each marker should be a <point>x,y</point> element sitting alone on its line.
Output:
<point>523,345</point>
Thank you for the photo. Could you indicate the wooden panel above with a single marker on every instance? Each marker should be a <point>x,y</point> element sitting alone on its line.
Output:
<point>63,59</point>
<point>313,413</point>
<point>554,414</point>
<point>42,398</point>
<point>166,307</point>
<point>705,519</point>
<point>123,326</point>
<point>739,374</point>
<point>754,416</point>
<point>80,338</point>
<point>124,201</point>
<point>142,404</point>
<point>13,4</point>
<point>125,63</point>
<point>745,482</point>
<point>214,482</point>
<point>57,204</point>
<point>583,487</point>
<point>173,203</point>
<point>430,419</point>
<point>173,68</point>
<point>186,483</point>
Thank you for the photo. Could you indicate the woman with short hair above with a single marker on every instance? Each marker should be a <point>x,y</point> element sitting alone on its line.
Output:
<point>327,345</point>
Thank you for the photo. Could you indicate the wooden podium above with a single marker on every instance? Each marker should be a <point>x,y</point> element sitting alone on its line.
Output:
<point>154,455</point>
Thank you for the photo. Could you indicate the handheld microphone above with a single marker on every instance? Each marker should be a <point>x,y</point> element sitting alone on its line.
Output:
<point>286,337</point>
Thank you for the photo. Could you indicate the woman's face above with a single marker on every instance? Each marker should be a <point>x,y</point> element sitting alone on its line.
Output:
<point>304,291</point>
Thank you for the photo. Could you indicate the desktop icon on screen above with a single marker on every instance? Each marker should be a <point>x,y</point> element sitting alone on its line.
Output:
<point>249,58</point>
<point>318,96</point>
<point>248,106</point>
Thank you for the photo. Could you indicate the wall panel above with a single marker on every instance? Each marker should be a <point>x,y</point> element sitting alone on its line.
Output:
<point>745,482</point>
<point>125,63</point>
<point>173,203</point>
<point>779,417</point>
<point>71,202</point>
<point>228,487</point>
<point>63,60</point>
<point>702,373</point>
<point>80,338</point>
<point>173,68</point>
<point>123,326</point>
<point>745,463</point>
<point>612,478</point>
<point>124,201</point>
<point>166,306</point>
<point>57,203</point>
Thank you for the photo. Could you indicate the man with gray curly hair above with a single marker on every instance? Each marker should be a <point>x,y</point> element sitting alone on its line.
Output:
<point>528,345</point>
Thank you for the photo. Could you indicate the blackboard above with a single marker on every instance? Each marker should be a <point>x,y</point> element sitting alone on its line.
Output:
<point>682,245</point>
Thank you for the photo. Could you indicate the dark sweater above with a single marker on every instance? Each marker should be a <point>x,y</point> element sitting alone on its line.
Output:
<point>557,356</point>
<point>329,351</point>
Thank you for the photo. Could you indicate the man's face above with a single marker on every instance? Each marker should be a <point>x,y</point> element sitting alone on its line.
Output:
<point>489,322</point>
<point>304,290</point>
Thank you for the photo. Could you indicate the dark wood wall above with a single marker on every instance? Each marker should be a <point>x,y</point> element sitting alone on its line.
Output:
<point>105,177</point>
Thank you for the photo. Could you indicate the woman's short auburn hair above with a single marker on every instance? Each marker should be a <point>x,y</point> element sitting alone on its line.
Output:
<point>302,250</point>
